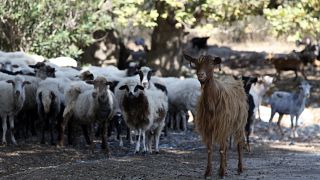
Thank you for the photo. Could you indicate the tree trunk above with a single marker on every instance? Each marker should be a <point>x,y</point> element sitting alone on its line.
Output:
<point>166,44</point>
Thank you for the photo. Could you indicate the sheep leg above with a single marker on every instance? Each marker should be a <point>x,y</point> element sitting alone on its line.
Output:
<point>86,134</point>
<point>149,138</point>
<point>44,125</point>
<point>51,126</point>
<point>177,121</point>
<point>11,121</point>
<point>157,139</point>
<point>70,133</point>
<point>270,120</point>
<point>223,163</point>
<point>239,141</point>
<point>4,129</point>
<point>138,142</point>
<point>209,163</point>
<point>279,122</point>
<point>144,141</point>
<point>104,144</point>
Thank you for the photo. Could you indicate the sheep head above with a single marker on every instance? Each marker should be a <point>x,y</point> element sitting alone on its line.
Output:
<point>133,89</point>
<point>145,74</point>
<point>204,66</point>
<point>18,84</point>
<point>101,86</point>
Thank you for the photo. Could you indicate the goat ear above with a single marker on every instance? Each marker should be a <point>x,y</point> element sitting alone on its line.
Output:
<point>217,60</point>
<point>124,87</point>
<point>140,87</point>
<point>90,81</point>
<point>189,58</point>
<point>10,81</point>
<point>109,83</point>
<point>26,82</point>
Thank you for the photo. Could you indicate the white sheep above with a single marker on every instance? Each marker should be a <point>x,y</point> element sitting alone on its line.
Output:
<point>183,96</point>
<point>64,61</point>
<point>289,103</point>
<point>12,97</point>
<point>92,105</point>
<point>49,100</point>
<point>144,111</point>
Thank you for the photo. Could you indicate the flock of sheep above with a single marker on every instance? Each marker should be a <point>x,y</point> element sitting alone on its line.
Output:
<point>45,97</point>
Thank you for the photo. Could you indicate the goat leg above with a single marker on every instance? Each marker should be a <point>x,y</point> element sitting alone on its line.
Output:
<point>208,172</point>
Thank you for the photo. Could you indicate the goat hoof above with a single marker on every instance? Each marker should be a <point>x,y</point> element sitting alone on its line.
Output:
<point>4,144</point>
<point>240,170</point>
<point>207,174</point>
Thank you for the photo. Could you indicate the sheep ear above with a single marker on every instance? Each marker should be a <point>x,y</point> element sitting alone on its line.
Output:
<point>189,58</point>
<point>26,82</point>
<point>90,81</point>
<point>10,81</point>
<point>124,87</point>
<point>153,71</point>
<point>140,87</point>
<point>15,66</point>
<point>254,80</point>
<point>90,76</point>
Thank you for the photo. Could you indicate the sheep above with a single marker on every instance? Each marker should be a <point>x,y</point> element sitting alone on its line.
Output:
<point>258,90</point>
<point>183,96</point>
<point>144,110</point>
<point>12,98</point>
<point>49,99</point>
<point>287,62</point>
<point>92,105</point>
<point>222,110</point>
<point>289,103</point>
<point>63,61</point>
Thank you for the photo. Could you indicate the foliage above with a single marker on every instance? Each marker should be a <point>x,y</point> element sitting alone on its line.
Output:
<point>51,27</point>
<point>296,19</point>
<point>62,28</point>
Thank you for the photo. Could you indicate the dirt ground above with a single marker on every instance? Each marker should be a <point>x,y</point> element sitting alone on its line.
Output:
<point>182,155</point>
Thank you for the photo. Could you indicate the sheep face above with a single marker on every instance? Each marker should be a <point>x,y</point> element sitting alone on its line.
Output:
<point>18,84</point>
<point>133,89</point>
<point>204,65</point>
<point>101,86</point>
<point>145,74</point>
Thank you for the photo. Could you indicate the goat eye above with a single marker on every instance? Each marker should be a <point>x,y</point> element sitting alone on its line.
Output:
<point>192,65</point>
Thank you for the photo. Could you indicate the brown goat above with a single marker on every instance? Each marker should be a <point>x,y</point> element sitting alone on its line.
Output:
<point>287,62</point>
<point>222,110</point>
